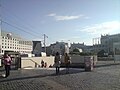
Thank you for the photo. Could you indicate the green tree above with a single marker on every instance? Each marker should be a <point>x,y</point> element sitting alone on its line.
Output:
<point>76,50</point>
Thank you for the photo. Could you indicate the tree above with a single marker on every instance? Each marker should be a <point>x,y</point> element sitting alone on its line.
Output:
<point>101,53</point>
<point>76,50</point>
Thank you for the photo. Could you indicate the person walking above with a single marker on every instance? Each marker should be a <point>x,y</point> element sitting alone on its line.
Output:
<point>67,62</point>
<point>57,62</point>
<point>7,62</point>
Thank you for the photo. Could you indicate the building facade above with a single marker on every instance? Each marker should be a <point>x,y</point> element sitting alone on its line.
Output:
<point>12,42</point>
<point>37,48</point>
<point>78,46</point>
<point>107,41</point>
<point>60,47</point>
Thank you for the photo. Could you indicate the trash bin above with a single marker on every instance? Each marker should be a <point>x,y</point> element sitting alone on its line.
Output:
<point>88,61</point>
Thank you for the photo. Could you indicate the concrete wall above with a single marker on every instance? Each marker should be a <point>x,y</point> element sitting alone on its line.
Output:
<point>116,49</point>
<point>117,57</point>
<point>78,59</point>
<point>32,61</point>
<point>75,59</point>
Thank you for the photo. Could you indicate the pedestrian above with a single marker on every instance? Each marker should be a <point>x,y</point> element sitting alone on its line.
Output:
<point>50,66</point>
<point>45,64</point>
<point>42,63</point>
<point>7,62</point>
<point>67,62</point>
<point>57,62</point>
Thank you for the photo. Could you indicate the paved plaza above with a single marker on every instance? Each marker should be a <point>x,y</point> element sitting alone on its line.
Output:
<point>105,76</point>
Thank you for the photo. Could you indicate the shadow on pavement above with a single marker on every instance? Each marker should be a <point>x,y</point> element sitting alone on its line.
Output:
<point>106,65</point>
<point>62,72</point>
<point>71,71</point>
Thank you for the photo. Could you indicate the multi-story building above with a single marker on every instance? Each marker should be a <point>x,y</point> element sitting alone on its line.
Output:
<point>60,47</point>
<point>37,48</point>
<point>107,41</point>
<point>14,43</point>
<point>77,46</point>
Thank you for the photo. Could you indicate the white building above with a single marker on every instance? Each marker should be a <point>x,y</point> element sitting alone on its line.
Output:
<point>60,47</point>
<point>14,43</point>
<point>107,41</point>
<point>116,49</point>
<point>77,46</point>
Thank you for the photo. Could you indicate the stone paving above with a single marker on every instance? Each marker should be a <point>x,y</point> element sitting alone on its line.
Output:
<point>106,76</point>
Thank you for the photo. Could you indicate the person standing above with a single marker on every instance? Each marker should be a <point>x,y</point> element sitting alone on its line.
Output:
<point>57,62</point>
<point>67,62</point>
<point>7,63</point>
<point>42,63</point>
<point>45,64</point>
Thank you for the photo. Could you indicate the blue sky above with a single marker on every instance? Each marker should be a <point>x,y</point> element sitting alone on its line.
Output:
<point>62,20</point>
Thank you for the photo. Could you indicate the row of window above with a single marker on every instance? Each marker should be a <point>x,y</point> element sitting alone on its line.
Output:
<point>16,48</point>
<point>15,45</point>
<point>24,42</point>
<point>9,41</point>
<point>20,51</point>
<point>8,38</point>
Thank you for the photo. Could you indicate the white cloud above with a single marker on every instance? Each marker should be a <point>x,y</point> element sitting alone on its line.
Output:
<point>103,28</point>
<point>76,37</point>
<point>61,18</point>
<point>65,17</point>
<point>51,14</point>
<point>87,17</point>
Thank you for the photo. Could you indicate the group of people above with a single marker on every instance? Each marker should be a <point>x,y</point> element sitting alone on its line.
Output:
<point>43,64</point>
<point>57,62</point>
<point>7,63</point>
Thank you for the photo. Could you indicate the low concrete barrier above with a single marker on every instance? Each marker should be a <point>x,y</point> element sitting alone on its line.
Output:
<point>33,62</point>
<point>117,57</point>
<point>78,61</point>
